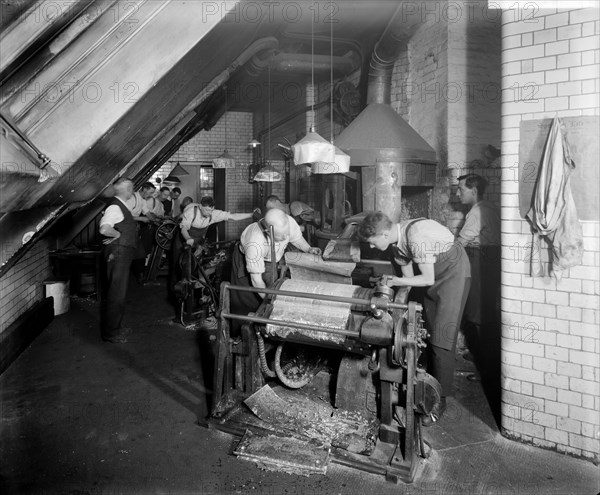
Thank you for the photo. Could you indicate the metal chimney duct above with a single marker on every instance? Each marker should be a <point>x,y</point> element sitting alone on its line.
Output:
<point>392,153</point>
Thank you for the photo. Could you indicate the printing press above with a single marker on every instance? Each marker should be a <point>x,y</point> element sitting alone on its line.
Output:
<point>325,371</point>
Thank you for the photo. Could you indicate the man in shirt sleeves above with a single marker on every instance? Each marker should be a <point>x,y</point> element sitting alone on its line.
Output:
<point>251,259</point>
<point>120,241</point>
<point>196,219</point>
<point>444,270</point>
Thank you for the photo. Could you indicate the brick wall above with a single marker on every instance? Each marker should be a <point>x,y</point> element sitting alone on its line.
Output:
<point>446,86</point>
<point>550,340</point>
<point>474,103</point>
<point>21,287</point>
<point>163,172</point>
<point>233,131</point>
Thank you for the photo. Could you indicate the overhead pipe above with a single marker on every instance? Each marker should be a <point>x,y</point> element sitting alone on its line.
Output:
<point>325,39</point>
<point>304,63</point>
<point>387,50</point>
<point>392,152</point>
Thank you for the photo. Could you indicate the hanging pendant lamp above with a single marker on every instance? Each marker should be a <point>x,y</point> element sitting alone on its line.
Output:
<point>224,160</point>
<point>312,148</point>
<point>179,170</point>
<point>267,174</point>
<point>337,162</point>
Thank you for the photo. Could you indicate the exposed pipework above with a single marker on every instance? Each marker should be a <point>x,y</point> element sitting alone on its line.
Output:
<point>386,52</point>
<point>392,152</point>
<point>304,63</point>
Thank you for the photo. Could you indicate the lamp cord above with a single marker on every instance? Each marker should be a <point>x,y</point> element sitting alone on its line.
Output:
<point>225,114</point>
<point>312,68</point>
<point>269,109</point>
<point>331,76</point>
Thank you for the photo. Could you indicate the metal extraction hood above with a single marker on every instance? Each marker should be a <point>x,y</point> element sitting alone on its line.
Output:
<point>379,134</point>
<point>389,151</point>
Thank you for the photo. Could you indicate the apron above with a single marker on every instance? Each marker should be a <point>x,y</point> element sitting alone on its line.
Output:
<point>244,302</point>
<point>198,234</point>
<point>445,300</point>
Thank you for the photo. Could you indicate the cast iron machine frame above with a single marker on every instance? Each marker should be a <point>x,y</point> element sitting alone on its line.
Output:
<point>391,335</point>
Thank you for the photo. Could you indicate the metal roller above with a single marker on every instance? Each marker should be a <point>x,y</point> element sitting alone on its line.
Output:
<point>317,312</point>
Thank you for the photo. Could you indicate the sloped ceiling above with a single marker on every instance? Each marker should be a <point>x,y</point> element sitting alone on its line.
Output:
<point>93,90</point>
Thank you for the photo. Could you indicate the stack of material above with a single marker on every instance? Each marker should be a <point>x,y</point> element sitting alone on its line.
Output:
<point>340,250</point>
<point>304,266</point>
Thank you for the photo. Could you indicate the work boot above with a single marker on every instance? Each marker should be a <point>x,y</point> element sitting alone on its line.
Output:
<point>436,414</point>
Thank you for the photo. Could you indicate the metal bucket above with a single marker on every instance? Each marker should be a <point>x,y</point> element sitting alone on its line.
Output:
<point>59,290</point>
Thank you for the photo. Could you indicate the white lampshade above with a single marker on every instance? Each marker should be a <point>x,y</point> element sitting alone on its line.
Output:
<point>312,148</point>
<point>267,174</point>
<point>336,163</point>
<point>225,160</point>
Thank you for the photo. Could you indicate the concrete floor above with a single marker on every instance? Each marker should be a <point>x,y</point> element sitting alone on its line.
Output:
<point>80,416</point>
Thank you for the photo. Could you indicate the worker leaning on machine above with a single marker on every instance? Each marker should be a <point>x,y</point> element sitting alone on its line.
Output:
<point>196,219</point>
<point>251,259</point>
<point>444,270</point>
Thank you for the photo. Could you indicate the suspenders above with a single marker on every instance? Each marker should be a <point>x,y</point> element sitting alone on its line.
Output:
<point>406,231</point>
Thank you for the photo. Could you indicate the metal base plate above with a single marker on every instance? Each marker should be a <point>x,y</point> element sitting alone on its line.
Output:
<point>287,454</point>
<point>384,458</point>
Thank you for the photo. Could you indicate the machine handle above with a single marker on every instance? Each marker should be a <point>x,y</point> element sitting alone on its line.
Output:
<point>292,324</point>
<point>379,303</point>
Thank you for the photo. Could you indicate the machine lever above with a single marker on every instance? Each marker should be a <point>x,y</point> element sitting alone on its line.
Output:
<point>373,362</point>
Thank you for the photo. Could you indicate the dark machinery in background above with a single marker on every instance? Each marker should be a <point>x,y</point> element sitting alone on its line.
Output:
<point>200,267</point>
<point>375,337</point>
<point>196,293</point>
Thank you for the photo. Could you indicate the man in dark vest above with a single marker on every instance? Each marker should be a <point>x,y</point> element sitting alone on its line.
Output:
<point>120,239</point>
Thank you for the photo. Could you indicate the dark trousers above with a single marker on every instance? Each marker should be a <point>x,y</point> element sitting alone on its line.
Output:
<point>484,294</point>
<point>441,366</point>
<point>138,266</point>
<point>118,263</point>
<point>443,304</point>
<point>175,273</point>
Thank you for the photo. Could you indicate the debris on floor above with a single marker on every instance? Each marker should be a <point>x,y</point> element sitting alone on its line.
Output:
<point>286,454</point>
<point>299,415</point>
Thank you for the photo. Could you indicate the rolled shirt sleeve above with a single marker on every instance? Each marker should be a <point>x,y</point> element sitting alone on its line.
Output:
<point>254,244</point>
<point>296,236</point>
<point>186,218</point>
<point>137,205</point>
<point>482,226</point>
<point>219,216</point>
<point>257,247</point>
<point>112,216</point>
<point>469,234</point>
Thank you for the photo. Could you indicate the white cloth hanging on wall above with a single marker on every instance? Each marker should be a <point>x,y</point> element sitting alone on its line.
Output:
<point>553,214</point>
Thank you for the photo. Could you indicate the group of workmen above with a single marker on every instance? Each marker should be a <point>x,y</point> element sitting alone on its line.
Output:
<point>459,275</point>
